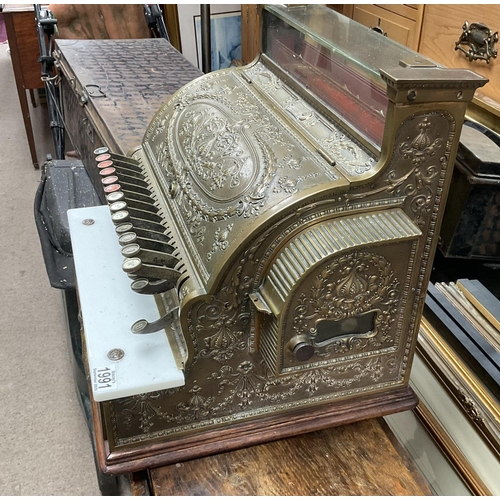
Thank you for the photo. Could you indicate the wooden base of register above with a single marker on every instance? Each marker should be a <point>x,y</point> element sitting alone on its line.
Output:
<point>362,458</point>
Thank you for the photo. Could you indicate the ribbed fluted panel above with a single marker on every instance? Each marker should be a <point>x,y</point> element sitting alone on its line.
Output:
<point>268,344</point>
<point>330,237</point>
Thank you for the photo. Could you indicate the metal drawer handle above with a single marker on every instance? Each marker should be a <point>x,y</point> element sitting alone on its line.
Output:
<point>479,42</point>
<point>378,29</point>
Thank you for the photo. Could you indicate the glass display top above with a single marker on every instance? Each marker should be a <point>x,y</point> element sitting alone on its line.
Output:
<point>353,40</point>
<point>337,61</point>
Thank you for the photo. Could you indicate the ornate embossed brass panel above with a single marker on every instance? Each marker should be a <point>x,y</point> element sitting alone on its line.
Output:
<point>299,199</point>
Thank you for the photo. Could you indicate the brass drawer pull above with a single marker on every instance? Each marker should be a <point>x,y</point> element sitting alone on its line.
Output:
<point>479,42</point>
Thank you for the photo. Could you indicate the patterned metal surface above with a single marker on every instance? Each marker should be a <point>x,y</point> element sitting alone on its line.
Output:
<point>239,178</point>
<point>242,362</point>
<point>332,140</point>
<point>234,161</point>
<point>81,133</point>
<point>136,77</point>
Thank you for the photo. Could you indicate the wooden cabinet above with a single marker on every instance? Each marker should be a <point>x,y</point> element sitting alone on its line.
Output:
<point>433,30</point>
<point>24,50</point>
<point>442,27</point>
<point>399,22</point>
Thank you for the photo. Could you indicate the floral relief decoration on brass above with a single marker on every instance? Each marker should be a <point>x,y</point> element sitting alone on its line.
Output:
<point>229,159</point>
<point>422,147</point>
<point>341,146</point>
<point>242,392</point>
<point>224,323</point>
<point>214,149</point>
<point>428,153</point>
<point>352,158</point>
<point>353,284</point>
<point>291,186</point>
<point>221,242</point>
<point>220,150</point>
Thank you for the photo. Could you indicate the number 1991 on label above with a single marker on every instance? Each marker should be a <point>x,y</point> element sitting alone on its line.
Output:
<point>104,378</point>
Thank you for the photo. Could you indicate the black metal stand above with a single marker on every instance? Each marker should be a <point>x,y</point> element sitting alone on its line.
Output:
<point>156,23</point>
<point>46,27</point>
<point>206,41</point>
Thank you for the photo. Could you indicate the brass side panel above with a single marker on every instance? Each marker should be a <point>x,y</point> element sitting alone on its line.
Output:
<point>323,240</point>
<point>333,275</point>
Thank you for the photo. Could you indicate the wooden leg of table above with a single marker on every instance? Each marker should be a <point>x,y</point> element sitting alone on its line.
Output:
<point>18,71</point>
<point>33,99</point>
<point>27,124</point>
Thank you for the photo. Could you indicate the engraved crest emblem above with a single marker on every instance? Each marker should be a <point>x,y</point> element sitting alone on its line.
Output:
<point>217,151</point>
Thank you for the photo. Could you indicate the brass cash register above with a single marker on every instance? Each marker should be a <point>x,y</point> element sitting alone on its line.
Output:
<point>284,216</point>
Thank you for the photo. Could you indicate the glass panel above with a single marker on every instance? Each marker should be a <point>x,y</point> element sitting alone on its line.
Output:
<point>336,59</point>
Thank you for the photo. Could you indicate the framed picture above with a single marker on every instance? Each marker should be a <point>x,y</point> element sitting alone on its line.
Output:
<point>225,34</point>
<point>190,41</point>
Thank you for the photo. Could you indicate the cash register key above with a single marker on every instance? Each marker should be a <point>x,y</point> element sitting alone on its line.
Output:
<point>109,180</point>
<point>107,171</point>
<point>127,238</point>
<point>124,228</point>
<point>105,164</point>
<point>101,151</point>
<point>141,204</point>
<point>139,284</point>
<point>145,215</point>
<point>152,235</point>
<point>132,174</point>
<point>132,265</point>
<point>131,250</point>
<point>147,243</point>
<point>112,188</point>
<point>116,196</point>
<point>146,286</point>
<point>121,216</point>
<point>103,157</point>
<point>117,206</point>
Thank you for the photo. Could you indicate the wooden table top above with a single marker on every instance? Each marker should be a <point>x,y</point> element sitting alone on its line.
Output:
<point>363,458</point>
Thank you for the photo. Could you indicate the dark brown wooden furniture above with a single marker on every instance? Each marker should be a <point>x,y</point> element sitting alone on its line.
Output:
<point>24,51</point>
<point>98,22</point>
<point>357,459</point>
